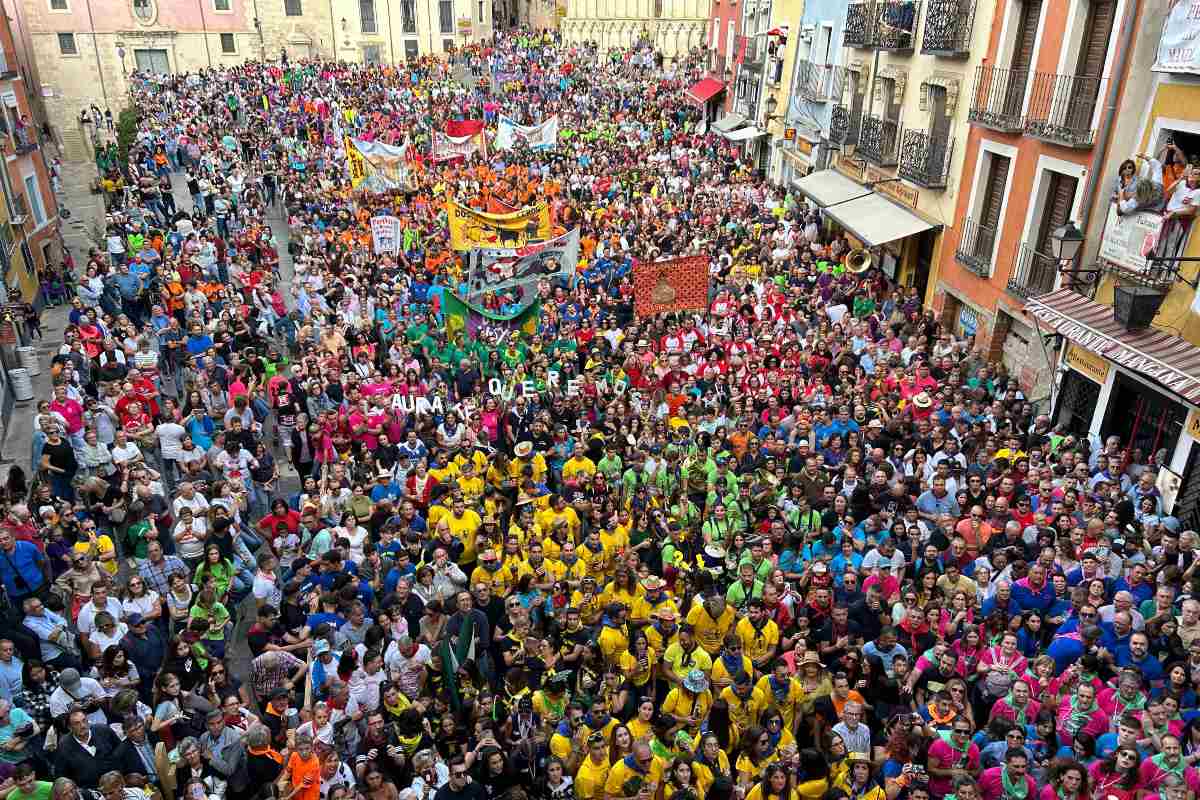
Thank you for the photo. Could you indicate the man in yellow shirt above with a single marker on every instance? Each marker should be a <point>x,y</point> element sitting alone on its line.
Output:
<point>759,635</point>
<point>557,509</point>
<point>596,557</point>
<point>784,690</point>
<point>491,572</point>
<point>663,630</point>
<point>464,524</point>
<point>711,620</point>
<point>525,457</point>
<point>578,469</point>
<point>654,599</point>
<point>689,702</point>
<point>683,656</point>
<point>593,770</point>
<point>746,702</point>
<point>613,639</point>
<point>641,763</point>
<point>470,484</point>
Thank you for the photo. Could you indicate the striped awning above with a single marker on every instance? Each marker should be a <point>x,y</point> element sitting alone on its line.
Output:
<point>1170,360</point>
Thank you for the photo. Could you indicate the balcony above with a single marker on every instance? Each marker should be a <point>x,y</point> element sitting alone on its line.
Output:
<point>948,26</point>
<point>879,140</point>
<point>752,52</point>
<point>1062,108</point>
<point>844,125</point>
<point>819,82</point>
<point>997,99</point>
<point>1035,274</point>
<point>7,70</point>
<point>896,25</point>
<point>860,25</point>
<point>925,159</point>
<point>975,247</point>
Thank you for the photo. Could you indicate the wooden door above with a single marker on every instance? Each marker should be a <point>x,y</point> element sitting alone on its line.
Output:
<point>1022,59</point>
<point>1085,84</point>
<point>993,198</point>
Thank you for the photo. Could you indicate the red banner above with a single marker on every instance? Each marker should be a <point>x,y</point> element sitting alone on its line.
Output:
<point>463,127</point>
<point>676,285</point>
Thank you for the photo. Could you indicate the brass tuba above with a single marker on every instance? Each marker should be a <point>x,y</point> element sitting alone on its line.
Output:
<point>858,261</point>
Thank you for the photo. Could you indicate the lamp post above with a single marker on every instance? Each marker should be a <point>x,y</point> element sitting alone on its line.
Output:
<point>1067,240</point>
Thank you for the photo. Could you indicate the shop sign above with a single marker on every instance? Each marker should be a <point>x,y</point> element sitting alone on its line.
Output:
<point>1114,350</point>
<point>464,25</point>
<point>789,135</point>
<point>1127,239</point>
<point>1087,364</point>
<point>851,169</point>
<point>1177,49</point>
<point>902,193</point>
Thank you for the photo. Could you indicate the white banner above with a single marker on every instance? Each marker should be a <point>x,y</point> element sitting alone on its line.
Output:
<point>1179,46</point>
<point>387,165</point>
<point>1130,238</point>
<point>449,147</point>
<point>535,137</point>
<point>385,235</point>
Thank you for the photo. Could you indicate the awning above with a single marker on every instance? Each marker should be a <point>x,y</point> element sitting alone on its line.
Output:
<point>1171,360</point>
<point>828,186</point>
<point>741,134</point>
<point>876,220</point>
<point>705,90</point>
<point>729,122</point>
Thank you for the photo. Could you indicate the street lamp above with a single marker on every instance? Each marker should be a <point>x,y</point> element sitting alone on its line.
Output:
<point>1067,240</point>
<point>772,105</point>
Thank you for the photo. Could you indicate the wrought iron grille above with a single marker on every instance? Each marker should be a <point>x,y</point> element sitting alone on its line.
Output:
<point>975,247</point>
<point>925,158</point>
<point>859,25</point>
<point>844,125</point>
<point>948,26</point>
<point>879,140</point>
<point>997,98</point>
<point>1062,107</point>
<point>819,82</point>
<point>896,24</point>
<point>1035,274</point>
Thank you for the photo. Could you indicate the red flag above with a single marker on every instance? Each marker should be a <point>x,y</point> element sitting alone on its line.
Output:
<point>674,285</point>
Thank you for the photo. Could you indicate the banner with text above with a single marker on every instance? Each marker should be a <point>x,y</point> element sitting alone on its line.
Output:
<point>448,148</point>
<point>470,229</point>
<point>1179,45</point>
<point>385,235</point>
<point>386,166</point>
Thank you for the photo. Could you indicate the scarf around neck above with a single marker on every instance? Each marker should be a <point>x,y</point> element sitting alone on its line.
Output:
<point>1019,791</point>
<point>1160,761</point>
<point>1018,713</point>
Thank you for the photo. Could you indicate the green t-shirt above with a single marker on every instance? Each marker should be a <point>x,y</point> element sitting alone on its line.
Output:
<point>41,791</point>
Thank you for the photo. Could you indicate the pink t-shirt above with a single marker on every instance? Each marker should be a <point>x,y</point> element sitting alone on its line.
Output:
<point>991,784</point>
<point>949,758</point>
<point>72,412</point>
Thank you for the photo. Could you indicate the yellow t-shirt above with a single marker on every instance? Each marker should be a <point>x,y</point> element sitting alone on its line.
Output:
<point>464,529</point>
<point>744,712</point>
<point>623,770</point>
<point>721,675</point>
<point>590,779</point>
<point>104,550</point>
<point>682,663</point>
<point>787,700</point>
<point>630,666</point>
<point>578,469</point>
<point>683,703</point>
<point>613,643</point>
<point>710,632</point>
<point>757,643</point>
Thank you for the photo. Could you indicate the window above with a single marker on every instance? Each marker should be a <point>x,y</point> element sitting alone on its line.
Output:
<point>481,10</point>
<point>366,14</point>
<point>221,5</point>
<point>34,193</point>
<point>59,5</point>
<point>228,45</point>
<point>371,55</point>
<point>66,44</point>
<point>144,11</point>
<point>446,16</point>
<point>409,15</point>
<point>411,50</point>
<point>447,45</point>
<point>292,8</point>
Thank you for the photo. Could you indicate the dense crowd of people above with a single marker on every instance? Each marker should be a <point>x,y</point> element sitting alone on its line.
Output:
<point>803,543</point>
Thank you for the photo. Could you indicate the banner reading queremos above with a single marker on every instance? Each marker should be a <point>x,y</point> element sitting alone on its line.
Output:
<point>470,229</point>
<point>543,136</point>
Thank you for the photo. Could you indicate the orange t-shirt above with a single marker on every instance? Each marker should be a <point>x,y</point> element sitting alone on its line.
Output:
<point>838,705</point>
<point>298,769</point>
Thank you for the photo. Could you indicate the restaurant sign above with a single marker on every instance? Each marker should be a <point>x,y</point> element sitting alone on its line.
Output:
<point>1115,350</point>
<point>891,188</point>
<point>1087,363</point>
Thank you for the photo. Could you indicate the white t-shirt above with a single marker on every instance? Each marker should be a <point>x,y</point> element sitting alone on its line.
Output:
<point>86,623</point>
<point>409,668</point>
<point>267,589</point>
<point>129,452</point>
<point>170,439</point>
<point>140,605</point>
<point>1183,197</point>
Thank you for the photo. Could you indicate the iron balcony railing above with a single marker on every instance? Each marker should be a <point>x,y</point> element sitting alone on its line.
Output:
<point>997,98</point>
<point>879,141</point>
<point>925,158</point>
<point>860,25</point>
<point>1034,274</point>
<point>819,82</point>
<point>896,24</point>
<point>948,26</point>
<point>845,124</point>
<point>975,247</point>
<point>1062,108</point>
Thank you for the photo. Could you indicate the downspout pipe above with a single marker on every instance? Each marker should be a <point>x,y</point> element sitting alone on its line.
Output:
<point>1115,79</point>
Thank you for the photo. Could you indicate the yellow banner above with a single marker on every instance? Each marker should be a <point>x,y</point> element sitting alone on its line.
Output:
<point>356,163</point>
<point>470,228</point>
